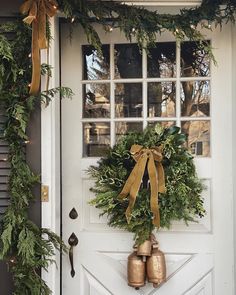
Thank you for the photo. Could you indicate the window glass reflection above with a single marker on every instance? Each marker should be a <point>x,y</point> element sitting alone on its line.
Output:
<point>194,61</point>
<point>96,139</point>
<point>128,61</point>
<point>195,98</point>
<point>161,61</point>
<point>198,137</point>
<point>125,127</point>
<point>165,124</point>
<point>96,100</point>
<point>96,66</point>
<point>128,100</point>
<point>161,99</point>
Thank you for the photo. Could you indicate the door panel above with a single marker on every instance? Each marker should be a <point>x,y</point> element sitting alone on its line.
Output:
<point>104,107</point>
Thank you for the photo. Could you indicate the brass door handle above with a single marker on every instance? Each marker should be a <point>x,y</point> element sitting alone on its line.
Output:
<point>73,241</point>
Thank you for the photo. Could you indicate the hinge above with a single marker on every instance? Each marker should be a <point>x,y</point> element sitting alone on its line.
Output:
<point>45,193</point>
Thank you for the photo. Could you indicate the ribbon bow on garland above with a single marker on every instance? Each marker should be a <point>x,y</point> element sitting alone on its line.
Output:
<point>38,11</point>
<point>143,157</point>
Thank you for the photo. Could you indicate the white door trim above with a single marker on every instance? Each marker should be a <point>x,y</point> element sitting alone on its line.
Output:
<point>233,34</point>
<point>50,156</point>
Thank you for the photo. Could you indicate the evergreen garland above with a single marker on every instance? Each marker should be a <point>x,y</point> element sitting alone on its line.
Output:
<point>182,200</point>
<point>23,245</point>
<point>143,25</point>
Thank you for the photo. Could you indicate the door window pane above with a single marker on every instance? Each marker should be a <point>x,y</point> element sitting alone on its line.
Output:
<point>96,139</point>
<point>194,62</point>
<point>96,66</point>
<point>161,99</point>
<point>128,100</point>
<point>96,100</point>
<point>165,124</point>
<point>128,61</point>
<point>161,61</point>
<point>195,98</point>
<point>198,137</point>
<point>125,127</point>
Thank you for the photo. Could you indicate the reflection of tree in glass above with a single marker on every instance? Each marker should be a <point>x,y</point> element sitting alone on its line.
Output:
<point>195,95</point>
<point>96,100</point>
<point>128,64</point>
<point>161,99</point>
<point>195,98</point>
<point>194,62</point>
<point>96,96</point>
<point>161,62</point>
<point>96,66</point>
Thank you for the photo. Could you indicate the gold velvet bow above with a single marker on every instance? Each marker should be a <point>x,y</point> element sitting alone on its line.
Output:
<point>143,157</point>
<point>37,10</point>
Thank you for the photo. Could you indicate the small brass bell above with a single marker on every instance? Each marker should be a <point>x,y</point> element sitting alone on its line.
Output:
<point>136,271</point>
<point>156,267</point>
<point>145,249</point>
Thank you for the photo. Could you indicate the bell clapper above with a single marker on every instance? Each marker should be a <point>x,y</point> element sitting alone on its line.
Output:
<point>137,288</point>
<point>155,285</point>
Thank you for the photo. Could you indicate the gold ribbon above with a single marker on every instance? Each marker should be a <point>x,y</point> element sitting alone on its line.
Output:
<point>143,157</point>
<point>37,10</point>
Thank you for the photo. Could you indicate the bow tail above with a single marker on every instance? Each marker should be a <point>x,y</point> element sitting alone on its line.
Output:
<point>42,20</point>
<point>36,65</point>
<point>129,182</point>
<point>135,185</point>
<point>161,178</point>
<point>153,176</point>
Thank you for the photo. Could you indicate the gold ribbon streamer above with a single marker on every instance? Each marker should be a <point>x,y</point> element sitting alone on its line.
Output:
<point>37,10</point>
<point>144,157</point>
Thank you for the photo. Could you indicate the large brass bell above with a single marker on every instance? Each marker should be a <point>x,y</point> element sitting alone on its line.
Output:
<point>156,267</point>
<point>145,249</point>
<point>136,271</point>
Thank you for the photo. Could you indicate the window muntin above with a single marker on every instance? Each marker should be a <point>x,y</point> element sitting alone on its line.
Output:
<point>126,90</point>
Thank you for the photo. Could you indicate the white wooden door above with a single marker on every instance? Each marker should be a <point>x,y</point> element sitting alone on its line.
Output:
<point>111,98</point>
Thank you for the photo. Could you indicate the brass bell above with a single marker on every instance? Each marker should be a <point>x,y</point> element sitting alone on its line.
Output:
<point>156,267</point>
<point>145,249</point>
<point>136,271</point>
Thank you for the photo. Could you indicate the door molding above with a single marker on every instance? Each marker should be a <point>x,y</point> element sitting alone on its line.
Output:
<point>50,155</point>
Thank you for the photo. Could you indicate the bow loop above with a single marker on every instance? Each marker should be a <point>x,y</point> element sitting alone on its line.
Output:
<point>37,10</point>
<point>145,157</point>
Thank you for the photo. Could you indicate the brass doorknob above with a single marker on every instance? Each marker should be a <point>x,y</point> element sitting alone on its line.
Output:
<point>73,241</point>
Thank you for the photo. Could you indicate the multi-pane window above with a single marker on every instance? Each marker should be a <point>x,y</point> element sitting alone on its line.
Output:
<point>125,89</point>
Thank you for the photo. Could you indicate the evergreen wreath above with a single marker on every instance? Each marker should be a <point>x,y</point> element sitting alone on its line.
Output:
<point>182,200</point>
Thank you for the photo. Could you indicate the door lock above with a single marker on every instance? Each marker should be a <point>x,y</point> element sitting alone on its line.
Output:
<point>73,214</point>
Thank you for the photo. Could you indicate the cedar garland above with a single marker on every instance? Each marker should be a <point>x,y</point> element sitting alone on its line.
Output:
<point>24,246</point>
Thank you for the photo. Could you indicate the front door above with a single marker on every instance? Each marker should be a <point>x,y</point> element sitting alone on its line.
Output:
<point>126,90</point>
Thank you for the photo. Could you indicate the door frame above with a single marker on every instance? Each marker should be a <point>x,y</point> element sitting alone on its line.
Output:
<point>51,152</point>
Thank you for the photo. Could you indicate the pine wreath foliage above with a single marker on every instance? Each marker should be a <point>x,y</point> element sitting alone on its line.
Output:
<point>182,200</point>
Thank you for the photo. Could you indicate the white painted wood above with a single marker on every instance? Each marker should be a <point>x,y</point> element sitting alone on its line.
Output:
<point>193,253</point>
<point>234,135</point>
<point>50,156</point>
